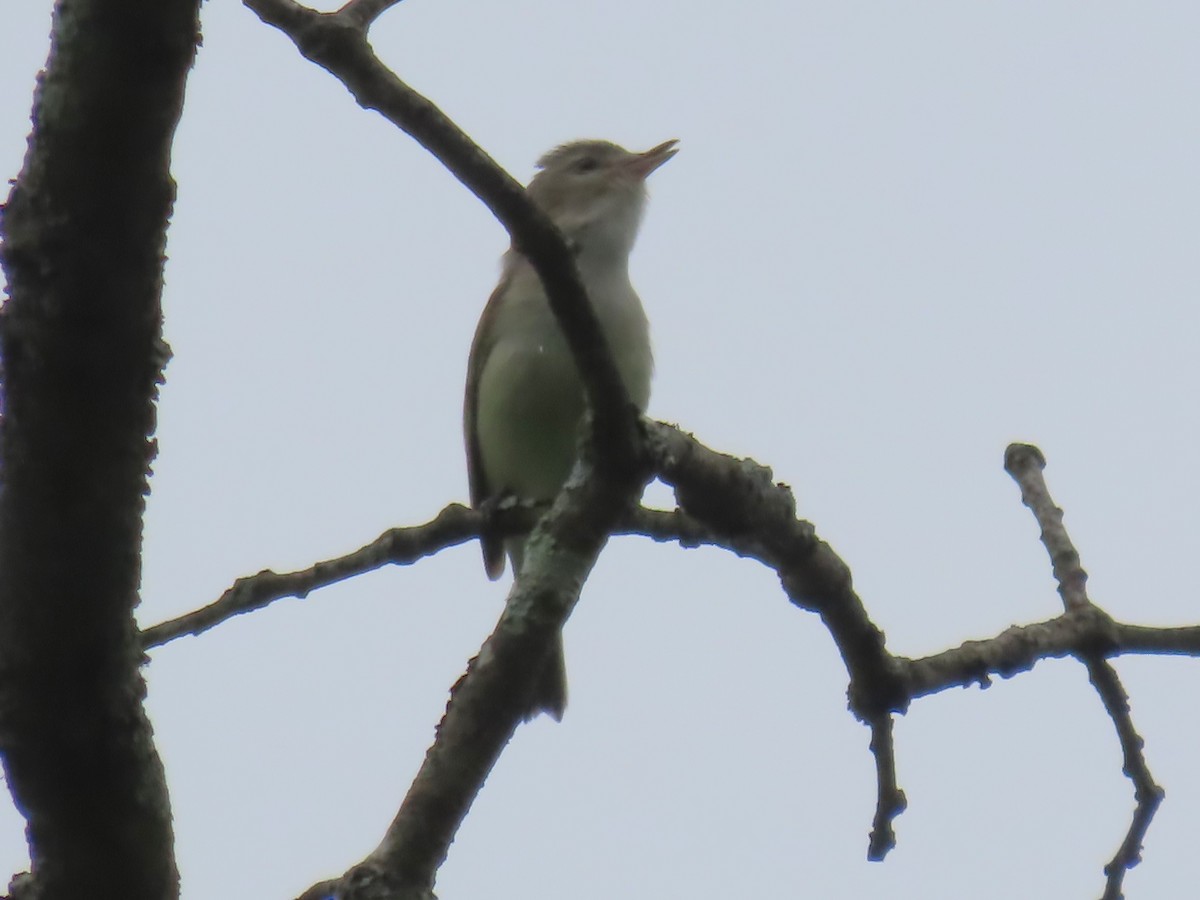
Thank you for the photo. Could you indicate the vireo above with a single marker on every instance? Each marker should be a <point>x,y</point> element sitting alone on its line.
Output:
<point>524,398</point>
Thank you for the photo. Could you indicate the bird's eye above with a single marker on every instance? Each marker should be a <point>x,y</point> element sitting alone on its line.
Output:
<point>587,164</point>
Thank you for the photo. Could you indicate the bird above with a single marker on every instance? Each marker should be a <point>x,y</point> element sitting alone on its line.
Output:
<point>524,399</point>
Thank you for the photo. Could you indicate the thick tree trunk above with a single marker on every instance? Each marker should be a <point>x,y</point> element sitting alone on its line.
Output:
<point>84,233</point>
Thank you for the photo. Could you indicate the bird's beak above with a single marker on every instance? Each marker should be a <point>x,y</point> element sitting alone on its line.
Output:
<point>643,164</point>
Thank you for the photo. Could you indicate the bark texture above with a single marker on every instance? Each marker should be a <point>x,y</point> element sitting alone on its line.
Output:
<point>80,337</point>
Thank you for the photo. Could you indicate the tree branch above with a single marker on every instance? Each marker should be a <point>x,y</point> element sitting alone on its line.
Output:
<point>396,546</point>
<point>891,800</point>
<point>738,501</point>
<point>84,234</point>
<point>1147,794</point>
<point>1025,463</point>
<point>401,546</point>
<point>488,702</point>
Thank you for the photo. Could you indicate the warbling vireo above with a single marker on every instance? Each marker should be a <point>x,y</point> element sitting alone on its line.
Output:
<point>524,398</point>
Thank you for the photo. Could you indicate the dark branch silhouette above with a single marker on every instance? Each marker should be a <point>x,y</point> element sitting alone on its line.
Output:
<point>1025,464</point>
<point>80,339</point>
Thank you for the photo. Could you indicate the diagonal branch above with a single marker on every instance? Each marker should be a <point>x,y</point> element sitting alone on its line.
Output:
<point>396,546</point>
<point>739,502</point>
<point>488,702</point>
<point>338,43</point>
<point>1025,462</point>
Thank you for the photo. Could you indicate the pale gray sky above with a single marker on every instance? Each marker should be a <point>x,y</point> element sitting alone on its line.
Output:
<point>896,238</point>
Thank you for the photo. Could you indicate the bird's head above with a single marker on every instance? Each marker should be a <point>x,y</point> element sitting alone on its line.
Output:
<point>595,191</point>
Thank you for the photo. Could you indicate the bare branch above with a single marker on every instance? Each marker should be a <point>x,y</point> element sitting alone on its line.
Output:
<point>1016,649</point>
<point>744,510</point>
<point>1025,463</point>
<point>1146,791</point>
<point>1182,641</point>
<point>1020,647</point>
<point>396,546</point>
<point>401,547</point>
<point>891,800</point>
<point>669,525</point>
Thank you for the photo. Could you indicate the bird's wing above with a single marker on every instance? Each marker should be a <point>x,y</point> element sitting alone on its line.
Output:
<point>481,347</point>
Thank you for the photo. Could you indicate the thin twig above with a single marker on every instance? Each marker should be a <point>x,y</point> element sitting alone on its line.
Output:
<point>1147,792</point>
<point>403,546</point>
<point>396,546</point>
<point>891,800</point>
<point>1025,463</point>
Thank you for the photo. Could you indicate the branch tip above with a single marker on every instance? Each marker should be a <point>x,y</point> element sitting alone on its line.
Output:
<point>1023,456</point>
